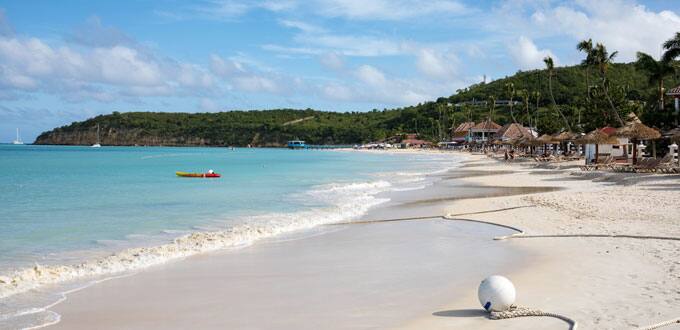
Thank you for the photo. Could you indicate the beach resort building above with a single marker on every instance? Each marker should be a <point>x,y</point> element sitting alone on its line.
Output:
<point>412,141</point>
<point>461,133</point>
<point>484,131</point>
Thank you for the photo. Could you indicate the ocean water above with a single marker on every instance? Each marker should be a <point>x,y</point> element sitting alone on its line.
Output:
<point>79,212</point>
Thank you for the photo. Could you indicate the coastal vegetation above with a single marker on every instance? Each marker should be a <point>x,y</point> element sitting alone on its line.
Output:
<point>577,101</point>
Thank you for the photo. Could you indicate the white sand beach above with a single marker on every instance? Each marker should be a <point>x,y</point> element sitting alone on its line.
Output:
<point>421,274</point>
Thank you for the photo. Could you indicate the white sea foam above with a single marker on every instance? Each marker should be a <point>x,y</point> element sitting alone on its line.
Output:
<point>346,201</point>
<point>342,202</point>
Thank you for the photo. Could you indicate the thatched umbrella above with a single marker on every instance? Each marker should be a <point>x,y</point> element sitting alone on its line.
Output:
<point>636,130</point>
<point>597,137</point>
<point>544,140</point>
<point>564,137</point>
<point>528,141</point>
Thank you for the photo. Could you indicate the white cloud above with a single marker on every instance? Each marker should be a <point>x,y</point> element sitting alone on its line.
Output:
<point>371,76</point>
<point>256,83</point>
<point>622,26</point>
<point>332,61</point>
<point>372,85</point>
<point>223,67</point>
<point>302,26</point>
<point>94,34</point>
<point>97,73</point>
<point>527,56</point>
<point>436,65</point>
<point>208,105</point>
<point>388,9</point>
<point>352,45</point>
<point>336,91</point>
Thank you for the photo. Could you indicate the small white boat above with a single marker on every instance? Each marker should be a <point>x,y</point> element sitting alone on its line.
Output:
<point>97,145</point>
<point>18,139</point>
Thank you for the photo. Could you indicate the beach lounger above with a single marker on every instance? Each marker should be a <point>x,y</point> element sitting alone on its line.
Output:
<point>665,165</point>
<point>605,163</point>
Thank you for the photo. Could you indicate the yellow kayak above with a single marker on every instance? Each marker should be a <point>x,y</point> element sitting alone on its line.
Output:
<point>197,175</point>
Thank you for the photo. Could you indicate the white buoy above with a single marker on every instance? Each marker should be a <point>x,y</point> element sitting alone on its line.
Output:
<point>496,293</point>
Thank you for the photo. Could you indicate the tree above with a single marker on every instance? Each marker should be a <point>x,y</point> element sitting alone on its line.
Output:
<point>525,98</point>
<point>603,59</point>
<point>586,46</point>
<point>536,95</point>
<point>492,106</point>
<point>510,87</point>
<point>672,47</point>
<point>657,71</point>
<point>550,66</point>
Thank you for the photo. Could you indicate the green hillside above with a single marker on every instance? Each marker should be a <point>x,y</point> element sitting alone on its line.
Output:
<point>629,89</point>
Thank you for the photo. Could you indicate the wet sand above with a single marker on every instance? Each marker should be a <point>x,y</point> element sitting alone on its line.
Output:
<point>363,276</point>
<point>359,276</point>
<point>424,274</point>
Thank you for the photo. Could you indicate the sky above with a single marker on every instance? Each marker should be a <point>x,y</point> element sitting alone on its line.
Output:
<point>69,60</point>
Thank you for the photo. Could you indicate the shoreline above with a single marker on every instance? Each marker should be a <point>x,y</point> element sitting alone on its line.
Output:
<point>53,277</point>
<point>400,275</point>
<point>583,278</point>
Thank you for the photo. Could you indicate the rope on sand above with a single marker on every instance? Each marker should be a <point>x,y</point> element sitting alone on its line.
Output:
<point>661,324</point>
<point>520,311</point>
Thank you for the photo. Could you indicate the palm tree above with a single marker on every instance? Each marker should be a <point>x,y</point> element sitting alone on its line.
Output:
<point>672,47</point>
<point>537,95</point>
<point>586,46</point>
<point>525,98</point>
<point>550,65</point>
<point>657,70</point>
<point>511,92</point>
<point>492,106</point>
<point>603,59</point>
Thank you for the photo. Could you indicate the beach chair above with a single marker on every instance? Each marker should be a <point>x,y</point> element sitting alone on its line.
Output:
<point>646,165</point>
<point>604,163</point>
<point>665,165</point>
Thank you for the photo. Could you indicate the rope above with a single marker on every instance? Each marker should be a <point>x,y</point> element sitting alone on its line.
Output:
<point>518,235</point>
<point>520,311</point>
<point>661,324</point>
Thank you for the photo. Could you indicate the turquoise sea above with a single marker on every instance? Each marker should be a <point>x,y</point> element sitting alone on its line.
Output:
<point>72,216</point>
<point>64,204</point>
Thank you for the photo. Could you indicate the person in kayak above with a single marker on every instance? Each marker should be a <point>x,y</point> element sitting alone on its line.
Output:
<point>211,171</point>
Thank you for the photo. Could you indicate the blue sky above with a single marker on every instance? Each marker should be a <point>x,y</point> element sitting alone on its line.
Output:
<point>62,61</point>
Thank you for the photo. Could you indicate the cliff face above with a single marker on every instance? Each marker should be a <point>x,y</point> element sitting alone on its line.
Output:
<point>117,137</point>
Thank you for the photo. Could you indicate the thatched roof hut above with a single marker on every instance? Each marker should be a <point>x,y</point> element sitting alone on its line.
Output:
<point>565,136</point>
<point>635,129</point>
<point>513,131</point>
<point>546,139</point>
<point>597,137</point>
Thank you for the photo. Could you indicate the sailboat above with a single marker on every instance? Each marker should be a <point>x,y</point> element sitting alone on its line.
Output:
<point>18,140</point>
<point>97,145</point>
